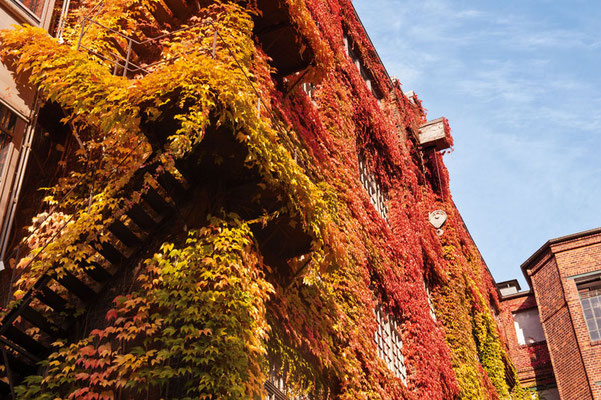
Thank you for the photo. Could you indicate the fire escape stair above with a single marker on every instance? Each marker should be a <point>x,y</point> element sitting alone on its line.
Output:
<point>47,311</point>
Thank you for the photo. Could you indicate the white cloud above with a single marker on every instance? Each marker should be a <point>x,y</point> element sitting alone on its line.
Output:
<point>521,89</point>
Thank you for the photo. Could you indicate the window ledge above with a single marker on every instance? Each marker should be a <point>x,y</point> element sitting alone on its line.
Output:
<point>525,346</point>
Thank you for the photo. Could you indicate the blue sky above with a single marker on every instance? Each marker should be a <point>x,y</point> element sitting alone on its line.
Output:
<point>520,83</point>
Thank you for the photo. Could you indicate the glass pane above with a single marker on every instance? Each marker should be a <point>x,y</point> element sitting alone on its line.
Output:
<point>586,304</point>
<point>595,335</point>
<point>35,6</point>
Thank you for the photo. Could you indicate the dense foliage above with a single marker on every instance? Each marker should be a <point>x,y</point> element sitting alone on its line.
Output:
<point>202,319</point>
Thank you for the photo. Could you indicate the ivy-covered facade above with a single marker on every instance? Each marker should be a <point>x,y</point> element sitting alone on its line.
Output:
<point>243,210</point>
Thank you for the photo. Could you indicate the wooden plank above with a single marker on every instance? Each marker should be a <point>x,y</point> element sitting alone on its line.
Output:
<point>141,218</point>
<point>110,253</point>
<point>433,134</point>
<point>96,272</point>
<point>154,200</point>
<point>19,366</point>
<point>173,186</point>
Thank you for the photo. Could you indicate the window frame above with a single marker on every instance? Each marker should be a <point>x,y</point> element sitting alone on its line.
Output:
<point>8,127</point>
<point>364,72</point>
<point>389,343</point>
<point>590,288</point>
<point>516,325</point>
<point>23,14</point>
<point>378,196</point>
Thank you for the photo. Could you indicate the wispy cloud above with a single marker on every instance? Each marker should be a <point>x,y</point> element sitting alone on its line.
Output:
<point>520,84</point>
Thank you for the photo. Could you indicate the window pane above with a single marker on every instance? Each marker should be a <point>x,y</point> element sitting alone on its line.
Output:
<point>390,344</point>
<point>597,312</point>
<point>586,304</point>
<point>35,6</point>
<point>590,300</point>
<point>528,327</point>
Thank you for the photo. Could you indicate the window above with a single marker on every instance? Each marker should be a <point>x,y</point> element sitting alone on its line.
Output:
<point>590,299</point>
<point>377,195</point>
<point>528,327</point>
<point>390,344</point>
<point>275,388</point>
<point>363,71</point>
<point>8,122</point>
<point>34,7</point>
<point>310,89</point>
<point>430,303</point>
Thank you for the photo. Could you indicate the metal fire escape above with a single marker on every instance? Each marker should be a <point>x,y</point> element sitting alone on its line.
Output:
<point>163,191</point>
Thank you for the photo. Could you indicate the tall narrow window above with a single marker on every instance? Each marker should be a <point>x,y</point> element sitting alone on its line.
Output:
<point>390,345</point>
<point>590,299</point>
<point>363,71</point>
<point>310,89</point>
<point>430,303</point>
<point>275,388</point>
<point>377,195</point>
<point>8,122</point>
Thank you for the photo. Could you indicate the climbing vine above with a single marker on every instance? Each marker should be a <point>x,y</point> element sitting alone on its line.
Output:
<point>195,328</point>
<point>203,317</point>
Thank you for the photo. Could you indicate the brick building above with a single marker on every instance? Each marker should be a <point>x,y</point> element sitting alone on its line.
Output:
<point>554,328</point>
<point>17,114</point>
<point>355,264</point>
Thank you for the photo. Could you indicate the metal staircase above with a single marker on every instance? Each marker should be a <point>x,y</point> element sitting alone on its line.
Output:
<point>50,309</point>
<point>52,301</point>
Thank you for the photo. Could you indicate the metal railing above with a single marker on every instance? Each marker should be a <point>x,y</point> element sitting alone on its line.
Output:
<point>125,64</point>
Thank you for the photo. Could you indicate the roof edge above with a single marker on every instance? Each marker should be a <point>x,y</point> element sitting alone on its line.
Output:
<point>538,253</point>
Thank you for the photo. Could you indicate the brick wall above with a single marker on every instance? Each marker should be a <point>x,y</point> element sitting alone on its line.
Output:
<point>532,361</point>
<point>575,258</point>
<point>576,361</point>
